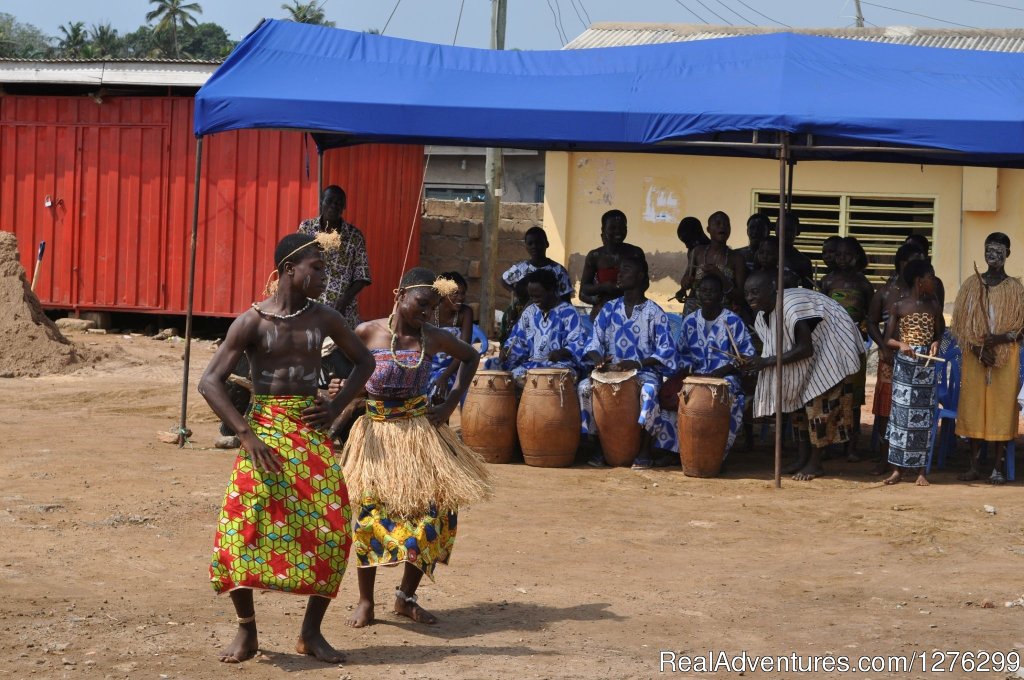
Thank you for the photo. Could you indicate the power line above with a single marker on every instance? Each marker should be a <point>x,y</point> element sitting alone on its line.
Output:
<point>395,9</point>
<point>458,22</point>
<point>729,7</point>
<point>554,19</point>
<point>699,17</point>
<point>996,4</point>
<point>585,12</point>
<point>558,11</point>
<point>926,16</point>
<point>774,21</point>
<point>578,15</point>
<point>720,17</point>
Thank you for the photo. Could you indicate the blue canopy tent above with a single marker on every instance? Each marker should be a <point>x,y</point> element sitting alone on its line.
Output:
<point>786,96</point>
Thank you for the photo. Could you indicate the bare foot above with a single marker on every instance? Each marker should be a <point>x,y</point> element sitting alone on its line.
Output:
<point>997,478</point>
<point>320,649</point>
<point>414,611</point>
<point>363,615</point>
<point>894,478</point>
<point>243,647</point>
<point>922,480</point>
<point>808,472</point>
<point>969,476</point>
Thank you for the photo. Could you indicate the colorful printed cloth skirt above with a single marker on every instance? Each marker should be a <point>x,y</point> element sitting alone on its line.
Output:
<point>411,477</point>
<point>882,403</point>
<point>287,531</point>
<point>828,418</point>
<point>911,422</point>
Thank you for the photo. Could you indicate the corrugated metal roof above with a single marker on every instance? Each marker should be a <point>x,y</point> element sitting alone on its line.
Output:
<point>162,72</point>
<point>618,34</point>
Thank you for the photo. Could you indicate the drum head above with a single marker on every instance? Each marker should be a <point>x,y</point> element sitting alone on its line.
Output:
<point>704,380</point>
<point>612,377</point>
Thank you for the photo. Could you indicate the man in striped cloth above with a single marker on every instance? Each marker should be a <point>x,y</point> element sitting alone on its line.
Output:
<point>821,351</point>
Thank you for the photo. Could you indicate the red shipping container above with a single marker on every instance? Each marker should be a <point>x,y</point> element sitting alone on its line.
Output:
<point>109,187</point>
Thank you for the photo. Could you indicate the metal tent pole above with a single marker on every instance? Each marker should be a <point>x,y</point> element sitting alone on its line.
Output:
<point>779,300</point>
<point>319,174</point>
<point>191,294</point>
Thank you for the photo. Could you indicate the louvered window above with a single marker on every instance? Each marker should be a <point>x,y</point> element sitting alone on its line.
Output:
<point>880,223</point>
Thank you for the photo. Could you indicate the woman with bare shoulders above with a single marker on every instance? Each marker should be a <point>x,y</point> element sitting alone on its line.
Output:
<point>408,471</point>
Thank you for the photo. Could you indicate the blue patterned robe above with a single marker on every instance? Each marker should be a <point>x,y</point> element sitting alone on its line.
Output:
<point>535,336</point>
<point>643,335</point>
<point>438,363</point>
<point>696,337</point>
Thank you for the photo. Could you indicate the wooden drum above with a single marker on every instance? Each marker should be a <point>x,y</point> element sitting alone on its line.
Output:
<point>703,425</point>
<point>616,412</point>
<point>489,416</point>
<point>549,418</point>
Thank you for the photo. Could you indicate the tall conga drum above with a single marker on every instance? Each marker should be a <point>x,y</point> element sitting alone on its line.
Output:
<point>549,418</point>
<point>703,425</point>
<point>489,416</point>
<point>616,412</point>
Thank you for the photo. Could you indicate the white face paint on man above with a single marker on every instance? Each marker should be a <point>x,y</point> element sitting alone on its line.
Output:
<point>996,254</point>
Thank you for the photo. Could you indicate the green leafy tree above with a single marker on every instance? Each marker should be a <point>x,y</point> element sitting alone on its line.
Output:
<point>22,41</point>
<point>173,16</point>
<point>207,41</point>
<point>104,41</point>
<point>307,13</point>
<point>140,44</point>
<point>74,42</point>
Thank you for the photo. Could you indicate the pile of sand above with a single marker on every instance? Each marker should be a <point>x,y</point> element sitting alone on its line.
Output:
<point>30,344</point>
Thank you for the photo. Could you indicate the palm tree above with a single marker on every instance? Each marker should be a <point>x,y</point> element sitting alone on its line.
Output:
<point>307,13</point>
<point>105,41</point>
<point>172,15</point>
<point>75,42</point>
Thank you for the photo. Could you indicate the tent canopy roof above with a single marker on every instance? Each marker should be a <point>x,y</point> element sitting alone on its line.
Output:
<point>347,88</point>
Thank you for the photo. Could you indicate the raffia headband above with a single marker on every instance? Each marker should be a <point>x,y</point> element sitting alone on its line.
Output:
<point>323,241</point>
<point>444,287</point>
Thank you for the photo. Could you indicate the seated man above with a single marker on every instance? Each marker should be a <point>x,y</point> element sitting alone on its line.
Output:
<point>631,333</point>
<point>821,351</point>
<point>713,342</point>
<point>548,334</point>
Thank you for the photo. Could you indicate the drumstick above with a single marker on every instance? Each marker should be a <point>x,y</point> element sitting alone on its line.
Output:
<point>725,352</point>
<point>732,341</point>
<point>929,356</point>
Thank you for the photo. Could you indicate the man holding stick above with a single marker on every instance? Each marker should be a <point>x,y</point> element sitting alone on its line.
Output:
<point>988,316</point>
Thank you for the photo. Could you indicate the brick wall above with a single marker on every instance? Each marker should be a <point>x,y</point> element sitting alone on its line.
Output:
<point>451,240</point>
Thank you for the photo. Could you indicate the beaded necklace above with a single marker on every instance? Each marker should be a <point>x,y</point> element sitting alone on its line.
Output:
<point>394,355</point>
<point>282,316</point>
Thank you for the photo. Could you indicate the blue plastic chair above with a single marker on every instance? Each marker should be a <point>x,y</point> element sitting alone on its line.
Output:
<point>479,337</point>
<point>948,392</point>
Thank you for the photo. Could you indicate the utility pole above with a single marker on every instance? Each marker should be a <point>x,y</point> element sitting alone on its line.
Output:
<point>860,14</point>
<point>492,202</point>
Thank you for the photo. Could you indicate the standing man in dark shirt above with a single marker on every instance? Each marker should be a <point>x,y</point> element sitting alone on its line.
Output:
<point>347,268</point>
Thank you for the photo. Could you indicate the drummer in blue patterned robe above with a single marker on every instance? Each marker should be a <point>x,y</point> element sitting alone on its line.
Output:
<point>631,333</point>
<point>713,342</point>
<point>548,334</point>
<point>821,350</point>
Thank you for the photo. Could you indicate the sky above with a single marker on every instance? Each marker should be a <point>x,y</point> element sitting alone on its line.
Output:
<point>533,24</point>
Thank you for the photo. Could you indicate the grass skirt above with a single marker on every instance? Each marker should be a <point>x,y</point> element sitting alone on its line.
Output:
<point>412,467</point>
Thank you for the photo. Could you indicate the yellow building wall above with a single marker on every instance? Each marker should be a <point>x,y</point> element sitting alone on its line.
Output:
<point>657,190</point>
<point>1009,219</point>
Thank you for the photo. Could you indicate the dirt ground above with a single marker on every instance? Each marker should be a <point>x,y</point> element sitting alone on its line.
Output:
<point>567,573</point>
